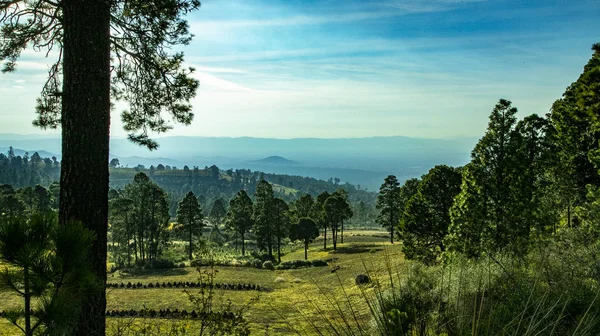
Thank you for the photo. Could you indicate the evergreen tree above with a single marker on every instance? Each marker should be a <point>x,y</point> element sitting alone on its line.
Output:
<point>575,118</point>
<point>482,215</point>
<point>218,211</point>
<point>388,202</point>
<point>280,223</point>
<point>239,217</point>
<point>427,214</point>
<point>189,218</point>
<point>264,213</point>
<point>318,214</point>
<point>305,230</point>
<point>48,264</point>
<point>121,229</point>
<point>89,34</point>
<point>336,210</point>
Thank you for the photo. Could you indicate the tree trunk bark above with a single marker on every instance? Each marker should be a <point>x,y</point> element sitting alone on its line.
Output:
<point>279,249</point>
<point>342,241</point>
<point>305,250</point>
<point>392,234</point>
<point>243,245</point>
<point>190,247</point>
<point>85,122</point>
<point>27,298</point>
<point>325,238</point>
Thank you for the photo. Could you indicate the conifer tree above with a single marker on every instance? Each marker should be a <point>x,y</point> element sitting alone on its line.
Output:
<point>388,202</point>
<point>189,218</point>
<point>239,217</point>
<point>86,36</point>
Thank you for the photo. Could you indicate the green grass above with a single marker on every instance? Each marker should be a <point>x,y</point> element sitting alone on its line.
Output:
<point>290,306</point>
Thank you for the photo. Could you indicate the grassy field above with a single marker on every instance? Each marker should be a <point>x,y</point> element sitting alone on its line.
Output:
<point>296,302</point>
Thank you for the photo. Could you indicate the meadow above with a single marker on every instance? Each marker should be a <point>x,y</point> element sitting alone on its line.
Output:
<point>303,301</point>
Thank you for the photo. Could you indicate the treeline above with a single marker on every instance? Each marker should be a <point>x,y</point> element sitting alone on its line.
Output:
<point>526,180</point>
<point>510,239</point>
<point>23,171</point>
<point>140,226</point>
<point>211,184</point>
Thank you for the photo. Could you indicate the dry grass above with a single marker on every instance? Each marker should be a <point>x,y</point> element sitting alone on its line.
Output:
<point>290,307</point>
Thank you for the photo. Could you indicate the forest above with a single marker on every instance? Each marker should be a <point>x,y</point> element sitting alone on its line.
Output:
<point>507,244</point>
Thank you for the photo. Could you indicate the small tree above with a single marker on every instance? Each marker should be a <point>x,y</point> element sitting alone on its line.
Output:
<point>426,217</point>
<point>281,223</point>
<point>48,262</point>
<point>189,218</point>
<point>388,202</point>
<point>218,211</point>
<point>318,214</point>
<point>239,217</point>
<point>305,230</point>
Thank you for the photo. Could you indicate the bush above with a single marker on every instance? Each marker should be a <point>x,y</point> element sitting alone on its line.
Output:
<point>159,264</point>
<point>257,263</point>
<point>319,263</point>
<point>268,265</point>
<point>295,264</point>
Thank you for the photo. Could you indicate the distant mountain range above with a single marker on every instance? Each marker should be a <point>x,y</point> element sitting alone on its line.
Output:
<point>364,161</point>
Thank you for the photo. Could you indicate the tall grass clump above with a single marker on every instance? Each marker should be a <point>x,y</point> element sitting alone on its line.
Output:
<point>553,290</point>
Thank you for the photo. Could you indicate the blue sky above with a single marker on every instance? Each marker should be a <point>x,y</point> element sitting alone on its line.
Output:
<point>350,68</point>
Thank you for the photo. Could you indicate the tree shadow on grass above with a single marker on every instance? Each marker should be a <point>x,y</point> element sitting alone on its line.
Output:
<point>352,249</point>
<point>148,273</point>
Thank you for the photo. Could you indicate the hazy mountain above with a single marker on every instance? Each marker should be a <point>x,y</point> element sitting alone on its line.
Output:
<point>21,152</point>
<point>364,161</point>
<point>275,160</point>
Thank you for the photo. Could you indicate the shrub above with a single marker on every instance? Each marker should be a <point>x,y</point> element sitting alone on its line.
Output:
<point>279,279</point>
<point>257,263</point>
<point>160,264</point>
<point>268,265</point>
<point>319,263</point>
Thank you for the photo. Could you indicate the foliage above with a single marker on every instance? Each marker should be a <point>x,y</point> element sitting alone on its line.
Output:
<point>189,218</point>
<point>305,230</point>
<point>239,217</point>
<point>426,218</point>
<point>217,211</point>
<point>141,213</point>
<point>48,264</point>
<point>495,206</point>
<point>388,202</point>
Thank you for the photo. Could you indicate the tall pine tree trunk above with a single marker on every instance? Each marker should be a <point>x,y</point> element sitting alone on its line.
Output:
<point>305,250</point>
<point>85,123</point>
<point>325,237</point>
<point>243,245</point>
<point>278,249</point>
<point>190,247</point>
<point>392,234</point>
<point>342,233</point>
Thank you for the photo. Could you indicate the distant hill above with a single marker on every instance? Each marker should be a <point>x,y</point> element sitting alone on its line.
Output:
<point>276,160</point>
<point>21,152</point>
<point>364,161</point>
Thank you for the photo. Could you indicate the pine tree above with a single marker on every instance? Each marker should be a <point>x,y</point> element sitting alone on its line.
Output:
<point>427,214</point>
<point>86,35</point>
<point>305,230</point>
<point>264,212</point>
<point>189,218</point>
<point>388,202</point>
<point>482,216</point>
<point>239,217</point>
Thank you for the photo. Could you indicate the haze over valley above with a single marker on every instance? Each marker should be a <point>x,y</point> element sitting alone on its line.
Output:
<point>359,161</point>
